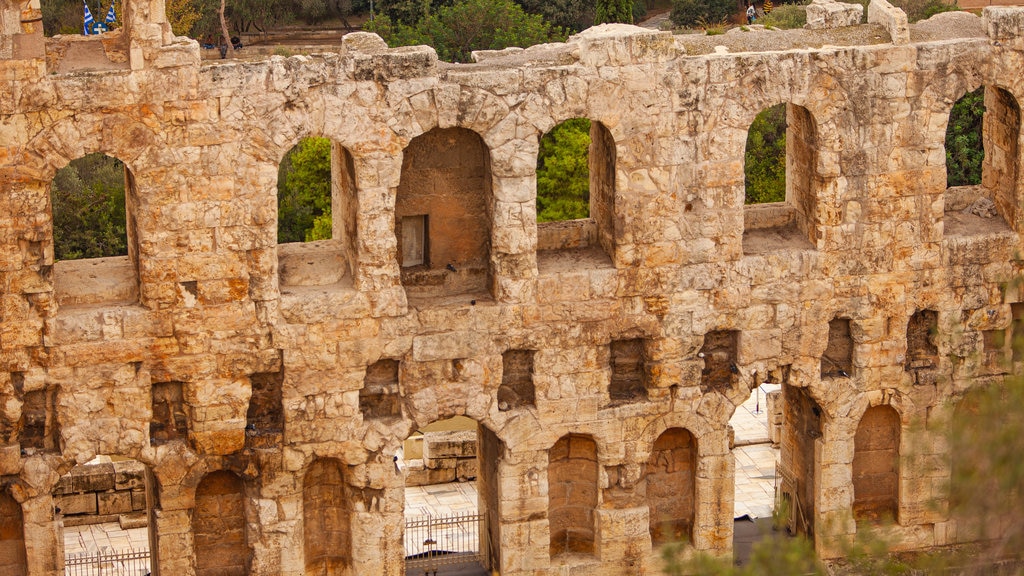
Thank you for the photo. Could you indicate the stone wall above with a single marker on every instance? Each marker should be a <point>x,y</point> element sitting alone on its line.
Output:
<point>200,358</point>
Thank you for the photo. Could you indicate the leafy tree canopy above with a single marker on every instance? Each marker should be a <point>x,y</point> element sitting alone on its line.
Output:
<point>764,168</point>
<point>563,174</point>
<point>88,202</point>
<point>304,192</point>
<point>467,25</point>
<point>574,15</point>
<point>614,11</point>
<point>964,150</point>
<point>689,13</point>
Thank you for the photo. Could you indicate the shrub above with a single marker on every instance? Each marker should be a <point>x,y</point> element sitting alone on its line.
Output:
<point>689,13</point>
<point>786,17</point>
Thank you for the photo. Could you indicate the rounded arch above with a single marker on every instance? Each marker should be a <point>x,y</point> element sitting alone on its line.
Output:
<point>317,214</point>
<point>670,486</point>
<point>326,518</point>
<point>218,525</point>
<point>13,556</point>
<point>443,213</point>
<point>573,494</point>
<point>780,171</point>
<point>876,464</point>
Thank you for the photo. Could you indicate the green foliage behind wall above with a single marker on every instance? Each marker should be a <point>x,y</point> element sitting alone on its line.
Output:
<point>563,174</point>
<point>964,149</point>
<point>88,203</point>
<point>764,168</point>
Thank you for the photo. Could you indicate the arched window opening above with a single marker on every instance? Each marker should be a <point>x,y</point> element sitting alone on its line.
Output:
<point>443,214</point>
<point>218,526</point>
<point>13,559</point>
<point>326,513</point>
<point>461,459</point>
<point>876,465</point>
<point>779,163</point>
<point>982,160</point>
<point>94,238</point>
<point>671,486</point>
<point>105,506</point>
<point>576,195</point>
<point>92,201</point>
<point>572,495</point>
<point>316,214</point>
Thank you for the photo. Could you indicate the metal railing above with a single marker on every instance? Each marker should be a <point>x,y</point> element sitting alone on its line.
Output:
<point>432,541</point>
<point>107,563</point>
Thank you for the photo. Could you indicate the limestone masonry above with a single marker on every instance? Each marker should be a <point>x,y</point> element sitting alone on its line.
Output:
<point>266,389</point>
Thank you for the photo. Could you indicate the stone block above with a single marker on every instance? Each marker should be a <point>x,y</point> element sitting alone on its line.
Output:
<point>114,502</point>
<point>73,504</point>
<point>833,14</point>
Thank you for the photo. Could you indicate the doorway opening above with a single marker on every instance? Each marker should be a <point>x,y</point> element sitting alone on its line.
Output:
<point>451,490</point>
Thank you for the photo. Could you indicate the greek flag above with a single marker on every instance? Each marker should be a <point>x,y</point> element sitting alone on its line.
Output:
<point>111,16</point>
<point>88,22</point>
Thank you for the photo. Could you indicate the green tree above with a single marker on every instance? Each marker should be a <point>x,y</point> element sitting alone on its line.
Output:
<point>964,149</point>
<point>304,192</point>
<point>88,203</point>
<point>563,174</point>
<point>689,13</point>
<point>614,11</point>
<point>574,15</point>
<point>764,165</point>
<point>66,16</point>
<point>456,30</point>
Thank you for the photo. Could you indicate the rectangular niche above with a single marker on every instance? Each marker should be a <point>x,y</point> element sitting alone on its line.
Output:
<point>517,388</point>
<point>628,371</point>
<point>921,349</point>
<point>379,397</point>
<point>38,427</point>
<point>169,420</point>
<point>838,357</point>
<point>719,354</point>
<point>994,342</point>
<point>264,420</point>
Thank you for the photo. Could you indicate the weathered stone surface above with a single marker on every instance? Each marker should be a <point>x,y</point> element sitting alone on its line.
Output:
<point>635,332</point>
<point>833,14</point>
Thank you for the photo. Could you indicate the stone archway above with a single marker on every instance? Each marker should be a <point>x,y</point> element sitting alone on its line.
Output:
<point>218,526</point>
<point>876,464</point>
<point>670,478</point>
<point>13,559</point>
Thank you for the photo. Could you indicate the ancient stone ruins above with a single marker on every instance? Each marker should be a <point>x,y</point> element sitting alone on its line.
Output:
<point>266,388</point>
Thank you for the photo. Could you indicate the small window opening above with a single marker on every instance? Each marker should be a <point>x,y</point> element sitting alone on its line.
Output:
<point>517,387</point>
<point>39,429</point>
<point>264,420</point>
<point>380,397</point>
<point>719,354</point>
<point>922,353</point>
<point>628,371</point>
<point>169,421</point>
<point>838,357</point>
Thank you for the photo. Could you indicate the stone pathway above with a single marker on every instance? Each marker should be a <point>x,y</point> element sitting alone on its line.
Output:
<point>106,537</point>
<point>755,457</point>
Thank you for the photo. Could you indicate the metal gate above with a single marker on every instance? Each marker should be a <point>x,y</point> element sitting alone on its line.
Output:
<point>434,541</point>
<point>107,564</point>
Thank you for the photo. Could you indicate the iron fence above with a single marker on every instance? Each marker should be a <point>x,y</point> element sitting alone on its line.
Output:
<point>433,541</point>
<point>107,563</point>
